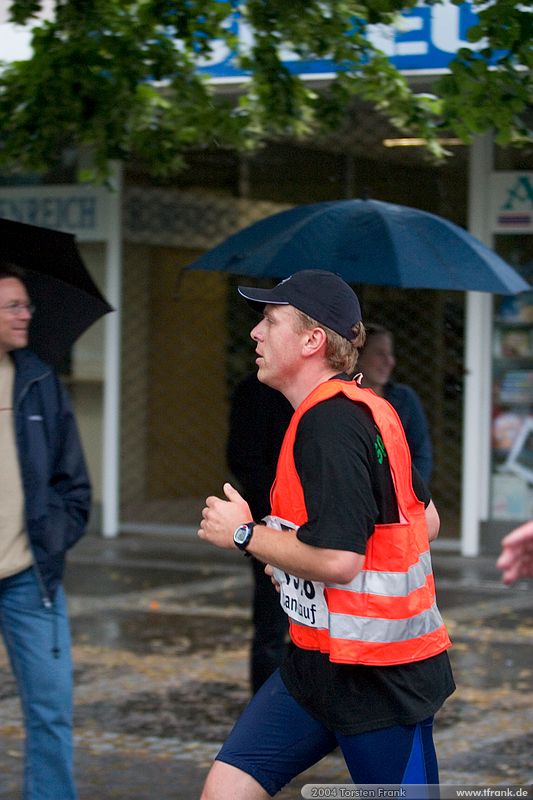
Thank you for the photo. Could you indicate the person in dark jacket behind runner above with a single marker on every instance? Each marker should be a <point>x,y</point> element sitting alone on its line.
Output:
<point>377,361</point>
<point>259,417</point>
<point>44,507</point>
<point>347,541</point>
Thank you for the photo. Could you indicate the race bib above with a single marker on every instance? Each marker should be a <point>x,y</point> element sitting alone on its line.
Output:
<point>302,600</point>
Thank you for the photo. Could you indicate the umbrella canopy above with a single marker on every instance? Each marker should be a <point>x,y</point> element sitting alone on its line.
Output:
<point>66,298</point>
<point>365,241</point>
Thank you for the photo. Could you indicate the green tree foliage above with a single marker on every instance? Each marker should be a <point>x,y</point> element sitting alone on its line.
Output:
<point>119,78</point>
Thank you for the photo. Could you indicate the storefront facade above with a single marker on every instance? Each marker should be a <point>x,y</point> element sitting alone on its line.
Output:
<point>151,382</point>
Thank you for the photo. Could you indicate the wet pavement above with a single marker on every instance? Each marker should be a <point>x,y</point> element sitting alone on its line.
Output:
<point>161,631</point>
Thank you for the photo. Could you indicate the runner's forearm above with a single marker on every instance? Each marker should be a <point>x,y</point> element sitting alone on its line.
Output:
<point>284,550</point>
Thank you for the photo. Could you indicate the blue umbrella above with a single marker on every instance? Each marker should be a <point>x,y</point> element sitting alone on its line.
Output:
<point>365,241</point>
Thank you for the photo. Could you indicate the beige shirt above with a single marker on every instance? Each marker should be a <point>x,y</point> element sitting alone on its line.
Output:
<point>15,553</point>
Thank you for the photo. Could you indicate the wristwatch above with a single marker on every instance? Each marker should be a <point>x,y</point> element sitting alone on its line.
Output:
<point>243,535</point>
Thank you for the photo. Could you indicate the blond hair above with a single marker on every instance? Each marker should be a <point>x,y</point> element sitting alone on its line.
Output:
<point>341,354</point>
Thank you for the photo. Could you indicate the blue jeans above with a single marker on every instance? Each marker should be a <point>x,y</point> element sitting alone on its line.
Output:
<point>37,640</point>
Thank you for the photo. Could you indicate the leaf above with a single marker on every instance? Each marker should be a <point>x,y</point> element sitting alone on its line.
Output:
<point>118,78</point>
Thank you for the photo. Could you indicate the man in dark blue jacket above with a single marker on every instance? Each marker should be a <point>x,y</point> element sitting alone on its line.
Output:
<point>44,507</point>
<point>377,361</point>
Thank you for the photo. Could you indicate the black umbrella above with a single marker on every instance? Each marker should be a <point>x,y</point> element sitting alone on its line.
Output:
<point>66,298</point>
<point>365,241</point>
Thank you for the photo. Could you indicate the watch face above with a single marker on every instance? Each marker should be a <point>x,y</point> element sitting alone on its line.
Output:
<point>241,534</point>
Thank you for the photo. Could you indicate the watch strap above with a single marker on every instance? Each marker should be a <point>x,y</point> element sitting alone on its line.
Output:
<point>243,545</point>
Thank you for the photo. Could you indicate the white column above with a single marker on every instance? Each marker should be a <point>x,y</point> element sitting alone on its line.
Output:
<point>111,426</point>
<point>478,364</point>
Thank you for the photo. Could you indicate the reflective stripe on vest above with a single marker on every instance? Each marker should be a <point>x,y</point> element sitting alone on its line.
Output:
<point>397,584</point>
<point>373,629</point>
<point>387,614</point>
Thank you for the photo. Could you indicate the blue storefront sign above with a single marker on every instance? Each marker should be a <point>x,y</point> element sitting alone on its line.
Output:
<point>511,202</point>
<point>81,210</point>
<point>423,40</point>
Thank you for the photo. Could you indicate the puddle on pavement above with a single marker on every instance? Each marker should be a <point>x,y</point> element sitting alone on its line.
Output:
<point>490,665</point>
<point>153,633</point>
<point>467,571</point>
<point>120,551</point>
<point>202,711</point>
<point>509,619</point>
<point>81,579</point>
<point>453,597</point>
<point>236,593</point>
<point>507,759</point>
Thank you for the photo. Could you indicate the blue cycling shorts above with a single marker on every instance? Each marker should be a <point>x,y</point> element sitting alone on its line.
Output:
<point>275,739</point>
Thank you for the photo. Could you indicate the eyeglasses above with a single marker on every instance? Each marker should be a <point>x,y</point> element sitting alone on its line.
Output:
<point>16,309</point>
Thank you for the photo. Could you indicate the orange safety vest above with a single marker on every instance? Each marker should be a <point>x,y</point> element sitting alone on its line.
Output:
<point>387,614</point>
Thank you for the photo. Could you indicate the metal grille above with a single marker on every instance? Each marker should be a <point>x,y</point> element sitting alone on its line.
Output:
<point>428,328</point>
<point>179,361</point>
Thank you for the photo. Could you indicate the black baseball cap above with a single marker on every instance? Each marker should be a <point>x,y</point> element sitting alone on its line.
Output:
<point>320,294</point>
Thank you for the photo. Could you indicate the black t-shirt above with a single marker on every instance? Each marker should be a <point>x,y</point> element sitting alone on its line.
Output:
<point>339,454</point>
